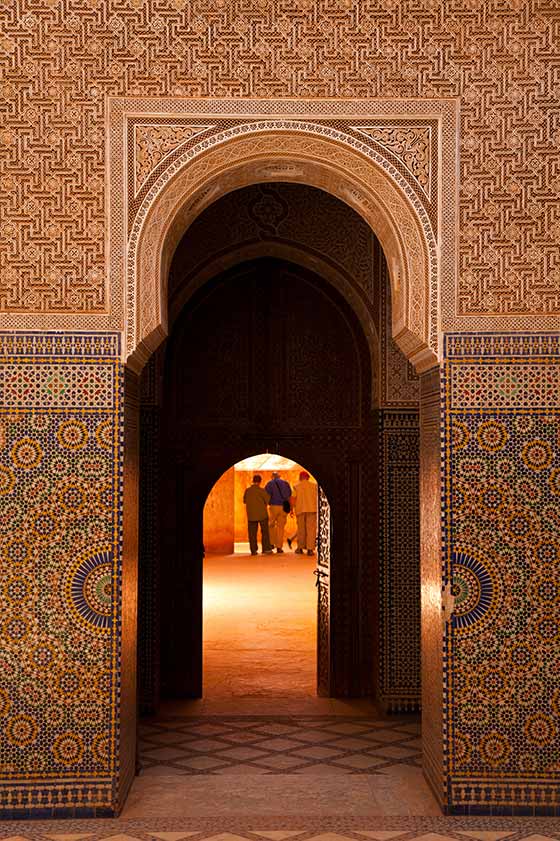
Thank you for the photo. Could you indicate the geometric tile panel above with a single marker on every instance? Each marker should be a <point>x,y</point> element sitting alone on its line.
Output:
<point>496,386</point>
<point>399,656</point>
<point>59,576</point>
<point>502,559</point>
<point>43,385</point>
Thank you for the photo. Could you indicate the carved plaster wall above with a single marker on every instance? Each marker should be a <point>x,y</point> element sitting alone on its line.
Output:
<point>58,63</point>
<point>325,144</point>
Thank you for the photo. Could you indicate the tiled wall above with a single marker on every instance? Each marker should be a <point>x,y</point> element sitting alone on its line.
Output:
<point>501,527</point>
<point>60,538</point>
<point>399,660</point>
<point>148,557</point>
<point>60,584</point>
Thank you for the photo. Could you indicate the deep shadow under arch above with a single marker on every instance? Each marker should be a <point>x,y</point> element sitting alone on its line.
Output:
<point>267,356</point>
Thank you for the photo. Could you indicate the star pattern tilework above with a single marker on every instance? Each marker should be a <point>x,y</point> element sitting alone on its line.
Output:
<point>59,580</point>
<point>502,535</point>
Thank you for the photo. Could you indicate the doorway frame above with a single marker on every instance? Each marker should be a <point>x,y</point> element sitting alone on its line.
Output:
<point>349,675</point>
<point>322,562</point>
<point>352,149</point>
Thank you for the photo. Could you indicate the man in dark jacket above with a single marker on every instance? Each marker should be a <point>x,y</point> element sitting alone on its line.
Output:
<point>256,499</point>
<point>280,493</point>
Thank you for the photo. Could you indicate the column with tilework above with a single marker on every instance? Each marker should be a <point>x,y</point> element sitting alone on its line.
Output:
<point>501,539</point>
<point>61,419</point>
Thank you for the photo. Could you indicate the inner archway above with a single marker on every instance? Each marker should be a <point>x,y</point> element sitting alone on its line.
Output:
<point>267,354</point>
<point>343,256</point>
<point>227,395</point>
<point>260,602</point>
<point>295,153</point>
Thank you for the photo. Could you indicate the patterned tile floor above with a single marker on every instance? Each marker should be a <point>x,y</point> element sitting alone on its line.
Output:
<point>287,745</point>
<point>279,829</point>
<point>258,778</point>
<point>295,765</point>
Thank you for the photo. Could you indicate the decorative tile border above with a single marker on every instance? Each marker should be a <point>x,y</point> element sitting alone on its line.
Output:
<point>399,680</point>
<point>303,828</point>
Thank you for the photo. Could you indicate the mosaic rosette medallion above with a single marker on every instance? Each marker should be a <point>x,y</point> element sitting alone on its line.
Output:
<point>476,589</point>
<point>89,589</point>
<point>503,558</point>
<point>59,581</point>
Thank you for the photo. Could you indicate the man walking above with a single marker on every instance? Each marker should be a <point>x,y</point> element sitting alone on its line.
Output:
<point>305,506</point>
<point>280,493</point>
<point>256,499</point>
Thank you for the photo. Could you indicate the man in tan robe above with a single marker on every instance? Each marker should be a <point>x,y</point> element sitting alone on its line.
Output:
<point>304,499</point>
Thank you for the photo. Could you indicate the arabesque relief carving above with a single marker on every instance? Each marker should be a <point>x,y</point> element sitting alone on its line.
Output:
<point>382,205</point>
<point>320,151</point>
<point>153,143</point>
<point>410,145</point>
<point>59,65</point>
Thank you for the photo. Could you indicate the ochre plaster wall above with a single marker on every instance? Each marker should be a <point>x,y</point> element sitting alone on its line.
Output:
<point>219,516</point>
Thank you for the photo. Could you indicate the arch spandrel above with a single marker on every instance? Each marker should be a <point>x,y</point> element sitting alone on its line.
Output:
<point>298,155</point>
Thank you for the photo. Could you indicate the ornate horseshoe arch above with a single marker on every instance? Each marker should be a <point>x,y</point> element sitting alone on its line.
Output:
<point>170,159</point>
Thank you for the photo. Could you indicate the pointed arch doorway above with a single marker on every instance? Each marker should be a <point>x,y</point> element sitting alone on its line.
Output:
<point>267,356</point>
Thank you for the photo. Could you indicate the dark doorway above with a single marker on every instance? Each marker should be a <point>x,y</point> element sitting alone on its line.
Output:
<point>269,357</point>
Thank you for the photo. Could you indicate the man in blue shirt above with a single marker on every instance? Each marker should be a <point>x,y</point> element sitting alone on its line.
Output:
<point>280,493</point>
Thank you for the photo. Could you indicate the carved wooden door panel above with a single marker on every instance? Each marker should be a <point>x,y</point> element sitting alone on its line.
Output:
<point>323,595</point>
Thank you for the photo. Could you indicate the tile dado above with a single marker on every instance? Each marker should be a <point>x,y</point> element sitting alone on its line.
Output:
<point>501,528</point>
<point>60,539</point>
<point>60,551</point>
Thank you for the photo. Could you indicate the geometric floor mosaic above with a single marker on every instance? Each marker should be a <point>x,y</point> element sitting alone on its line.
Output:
<point>378,829</point>
<point>286,745</point>
<point>226,751</point>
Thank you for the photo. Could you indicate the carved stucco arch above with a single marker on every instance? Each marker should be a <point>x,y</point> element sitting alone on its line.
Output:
<point>297,152</point>
<point>299,255</point>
